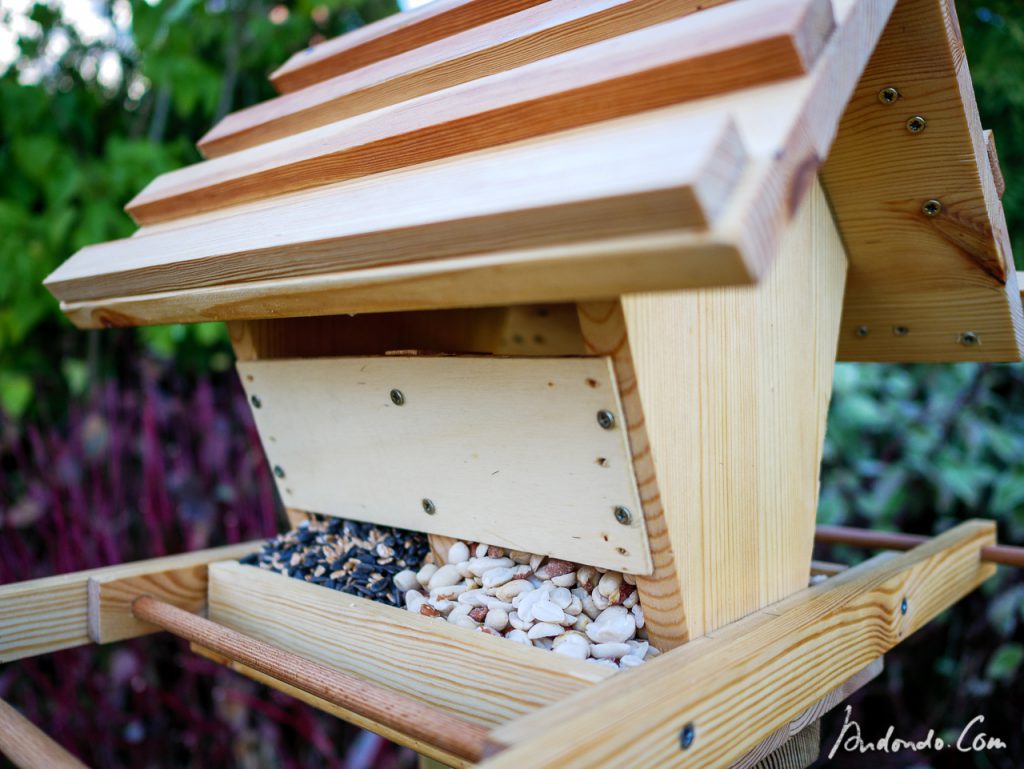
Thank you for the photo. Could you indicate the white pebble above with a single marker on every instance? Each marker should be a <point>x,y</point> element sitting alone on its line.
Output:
<point>458,552</point>
<point>638,615</point>
<point>443,577</point>
<point>459,610</point>
<point>495,603</point>
<point>544,630</point>
<point>631,600</point>
<point>630,661</point>
<point>582,623</point>
<point>406,580</point>
<point>585,577</point>
<point>481,550</point>
<point>604,663</point>
<point>535,562</point>
<point>600,599</point>
<point>496,619</point>
<point>629,579</point>
<point>610,651</point>
<point>442,605</point>
<point>575,607</point>
<point>423,575</point>
<point>466,621</point>
<point>473,597</point>
<point>543,643</point>
<point>638,648</point>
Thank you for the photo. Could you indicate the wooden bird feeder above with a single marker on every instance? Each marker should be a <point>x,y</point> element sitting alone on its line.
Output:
<point>571,278</point>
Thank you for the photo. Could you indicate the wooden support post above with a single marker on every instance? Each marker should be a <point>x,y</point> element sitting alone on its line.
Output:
<point>771,665</point>
<point>725,393</point>
<point>49,614</point>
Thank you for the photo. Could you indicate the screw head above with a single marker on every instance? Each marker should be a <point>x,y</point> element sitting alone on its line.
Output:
<point>623,515</point>
<point>904,606</point>
<point>428,506</point>
<point>279,471</point>
<point>687,735</point>
<point>932,207</point>
<point>397,397</point>
<point>916,124</point>
<point>606,419</point>
<point>862,331</point>
<point>888,95</point>
<point>256,402</point>
<point>900,330</point>
<point>969,339</point>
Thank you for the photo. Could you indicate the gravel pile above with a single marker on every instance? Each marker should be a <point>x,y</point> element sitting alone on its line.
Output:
<point>358,558</point>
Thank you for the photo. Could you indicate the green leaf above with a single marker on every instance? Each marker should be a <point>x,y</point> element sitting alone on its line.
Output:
<point>1003,665</point>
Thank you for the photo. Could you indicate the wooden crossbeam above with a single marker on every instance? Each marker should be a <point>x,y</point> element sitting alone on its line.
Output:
<point>45,615</point>
<point>735,687</point>
<point>28,747</point>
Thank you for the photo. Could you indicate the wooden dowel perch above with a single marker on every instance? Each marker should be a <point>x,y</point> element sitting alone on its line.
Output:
<point>1003,555</point>
<point>27,747</point>
<point>423,722</point>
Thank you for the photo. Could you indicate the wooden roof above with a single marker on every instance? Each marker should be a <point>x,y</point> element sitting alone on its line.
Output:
<point>474,153</point>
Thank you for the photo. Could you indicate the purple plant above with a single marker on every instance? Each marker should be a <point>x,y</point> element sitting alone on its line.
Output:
<point>160,466</point>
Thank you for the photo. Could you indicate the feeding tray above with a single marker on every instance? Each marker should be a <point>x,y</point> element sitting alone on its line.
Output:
<point>570,279</point>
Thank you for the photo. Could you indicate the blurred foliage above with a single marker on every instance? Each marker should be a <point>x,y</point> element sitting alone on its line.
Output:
<point>86,123</point>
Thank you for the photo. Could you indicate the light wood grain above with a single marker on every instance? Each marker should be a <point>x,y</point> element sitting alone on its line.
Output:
<point>110,599</point>
<point>734,386</point>
<point>813,714</point>
<point>27,747</point>
<point>423,721</point>
<point>393,735</point>
<point>512,41</point>
<point>743,682</point>
<point>48,614</point>
<point>993,163</point>
<point>484,679</point>
<point>508,450</point>
<point>716,51</point>
<point>788,128</point>
<point>545,192</point>
<point>390,36</point>
<point>534,330</point>
<point>917,283</point>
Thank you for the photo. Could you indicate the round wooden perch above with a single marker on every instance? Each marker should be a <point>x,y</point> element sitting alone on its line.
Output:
<point>431,725</point>
<point>1003,555</point>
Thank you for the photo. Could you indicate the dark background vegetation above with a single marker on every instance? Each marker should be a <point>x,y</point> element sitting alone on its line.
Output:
<point>121,445</point>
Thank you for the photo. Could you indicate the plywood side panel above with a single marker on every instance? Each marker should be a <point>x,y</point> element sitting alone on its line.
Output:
<point>507,451</point>
<point>484,679</point>
<point>735,385</point>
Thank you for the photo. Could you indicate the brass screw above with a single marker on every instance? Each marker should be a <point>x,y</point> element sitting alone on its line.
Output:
<point>888,95</point>
<point>916,124</point>
<point>932,207</point>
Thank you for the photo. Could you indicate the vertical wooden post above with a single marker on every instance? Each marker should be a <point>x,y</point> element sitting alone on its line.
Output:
<point>726,392</point>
